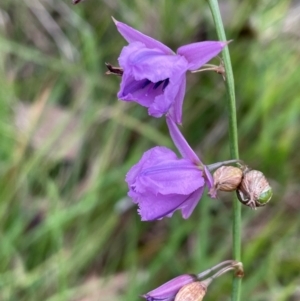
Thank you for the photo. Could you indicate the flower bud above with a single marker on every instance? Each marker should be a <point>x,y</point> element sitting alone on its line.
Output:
<point>254,190</point>
<point>192,292</point>
<point>227,178</point>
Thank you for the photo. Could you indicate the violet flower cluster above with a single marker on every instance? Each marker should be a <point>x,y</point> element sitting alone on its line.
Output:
<point>155,77</point>
<point>161,182</point>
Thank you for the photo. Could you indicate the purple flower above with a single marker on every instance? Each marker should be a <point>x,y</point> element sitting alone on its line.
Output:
<point>179,286</point>
<point>168,291</point>
<point>154,76</point>
<point>161,183</point>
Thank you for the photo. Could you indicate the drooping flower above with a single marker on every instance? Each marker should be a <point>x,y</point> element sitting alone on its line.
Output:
<point>168,290</point>
<point>154,76</point>
<point>161,183</point>
<point>193,287</point>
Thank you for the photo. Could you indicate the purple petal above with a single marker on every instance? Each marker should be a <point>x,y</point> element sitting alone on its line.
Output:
<point>140,91</point>
<point>168,290</point>
<point>157,206</point>
<point>160,105</point>
<point>176,110</point>
<point>132,35</point>
<point>164,102</point>
<point>154,156</point>
<point>151,78</point>
<point>191,203</point>
<point>172,176</point>
<point>198,54</point>
<point>209,178</point>
<point>160,171</point>
<point>181,144</point>
<point>152,64</point>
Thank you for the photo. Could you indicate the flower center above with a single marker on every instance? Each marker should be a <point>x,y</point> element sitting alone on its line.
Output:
<point>162,84</point>
<point>147,87</point>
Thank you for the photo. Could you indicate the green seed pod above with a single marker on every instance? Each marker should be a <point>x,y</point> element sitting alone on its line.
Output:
<point>254,190</point>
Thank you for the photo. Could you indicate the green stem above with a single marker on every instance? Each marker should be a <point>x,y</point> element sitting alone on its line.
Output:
<point>233,141</point>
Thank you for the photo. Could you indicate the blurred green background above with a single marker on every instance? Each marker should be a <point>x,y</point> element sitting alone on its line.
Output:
<point>67,230</point>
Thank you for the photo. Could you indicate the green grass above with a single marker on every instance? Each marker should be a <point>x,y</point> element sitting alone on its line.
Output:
<point>62,236</point>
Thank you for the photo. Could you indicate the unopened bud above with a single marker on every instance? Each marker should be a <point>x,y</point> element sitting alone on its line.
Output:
<point>254,190</point>
<point>191,292</point>
<point>227,178</point>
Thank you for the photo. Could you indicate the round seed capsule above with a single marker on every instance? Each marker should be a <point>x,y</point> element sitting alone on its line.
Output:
<point>227,178</point>
<point>194,291</point>
<point>254,190</point>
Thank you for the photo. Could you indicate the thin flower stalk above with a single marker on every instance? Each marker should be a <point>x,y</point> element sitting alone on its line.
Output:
<point>233,140</point>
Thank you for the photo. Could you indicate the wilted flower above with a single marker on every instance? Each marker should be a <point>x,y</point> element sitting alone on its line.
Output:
<point>168,290</point>
<point>161,183</point>
<point>154,76</point>
<point>188,287</point>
